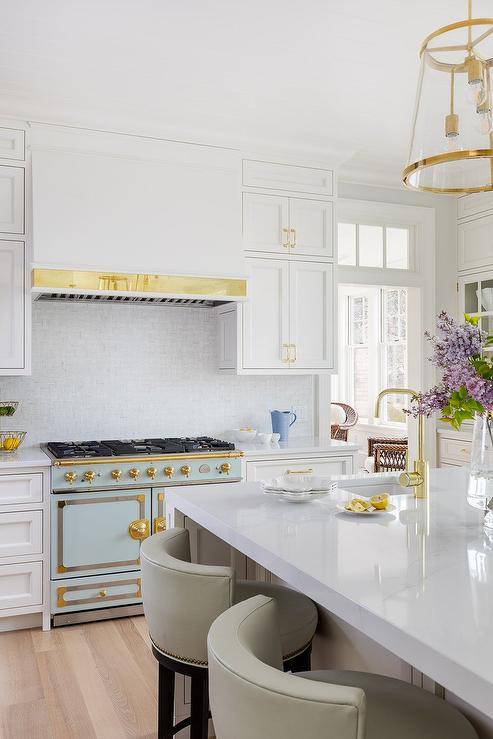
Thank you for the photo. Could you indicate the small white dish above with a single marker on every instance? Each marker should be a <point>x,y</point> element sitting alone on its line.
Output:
<point>297,497</point>
<point>369,512</point>
<point>264,439</point>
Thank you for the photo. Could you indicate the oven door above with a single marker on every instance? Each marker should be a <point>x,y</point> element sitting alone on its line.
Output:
<point>96,533</point>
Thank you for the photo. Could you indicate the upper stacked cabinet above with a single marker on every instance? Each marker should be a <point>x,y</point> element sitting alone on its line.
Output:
<point>287,324</point>
<point>14,288</point>
<point>475,256</point>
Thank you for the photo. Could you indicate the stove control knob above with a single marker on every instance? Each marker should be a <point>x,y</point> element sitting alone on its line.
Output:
<point>169,471</point>
<point>225,468</point>
<point>151,472</point>
<point>134,473</point>
<point>185,470</point>
<point>116,474</point>
<point>89,476</point>
<point>71,477</point>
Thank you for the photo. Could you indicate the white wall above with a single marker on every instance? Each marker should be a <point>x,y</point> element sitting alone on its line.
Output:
<point>126,371</point>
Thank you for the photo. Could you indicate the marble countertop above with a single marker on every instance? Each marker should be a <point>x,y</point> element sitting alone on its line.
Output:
<point>24,457</point>
<point>419,580</point>
<point>297,447</point>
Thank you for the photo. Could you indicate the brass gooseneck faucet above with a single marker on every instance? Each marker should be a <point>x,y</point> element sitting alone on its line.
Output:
<point>418,478</point>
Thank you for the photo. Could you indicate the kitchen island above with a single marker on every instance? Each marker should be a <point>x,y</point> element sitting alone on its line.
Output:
<point>418,581</point>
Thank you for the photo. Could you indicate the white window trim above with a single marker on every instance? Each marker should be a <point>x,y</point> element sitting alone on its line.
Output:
<point>422,219</point>
<point>371,221</point>
<point>375,310</point>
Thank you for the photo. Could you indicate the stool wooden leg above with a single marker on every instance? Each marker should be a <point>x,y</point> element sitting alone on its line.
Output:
<point>200,706</point>
<point>166,703</point>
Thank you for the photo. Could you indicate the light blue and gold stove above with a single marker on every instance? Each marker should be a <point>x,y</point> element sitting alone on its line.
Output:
<point>105,501</point>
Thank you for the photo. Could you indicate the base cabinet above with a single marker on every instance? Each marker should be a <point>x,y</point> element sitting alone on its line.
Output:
<point>325,466</point>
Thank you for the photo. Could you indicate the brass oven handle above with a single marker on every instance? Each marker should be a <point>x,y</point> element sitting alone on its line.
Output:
<point>159,524</point>
<point>309,471</point>
<point>139,529</point>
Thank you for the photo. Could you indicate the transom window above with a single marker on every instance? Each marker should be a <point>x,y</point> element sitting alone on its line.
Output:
<point>383,247</point>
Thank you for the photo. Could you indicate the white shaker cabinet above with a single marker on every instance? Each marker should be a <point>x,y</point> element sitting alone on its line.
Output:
<point>266,315</point>
<point>475,243</point>
<point>287,324</point>
<point>11,200</point>
<point>291,226</point>
<point>311,314</point>
<point>13,350</point>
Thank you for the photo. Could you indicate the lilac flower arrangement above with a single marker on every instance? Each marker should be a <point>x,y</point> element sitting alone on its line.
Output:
<point>466,387</point>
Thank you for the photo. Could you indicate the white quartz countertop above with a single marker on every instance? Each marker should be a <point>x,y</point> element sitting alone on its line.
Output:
<point>419,580</point>
<point>24,457</point>
<point>297,447</point>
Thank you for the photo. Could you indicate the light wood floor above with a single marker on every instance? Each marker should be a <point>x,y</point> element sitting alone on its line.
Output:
<point>92,680</point>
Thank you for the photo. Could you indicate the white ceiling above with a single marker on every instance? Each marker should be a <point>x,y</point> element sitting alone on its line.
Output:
<point>316,77</point>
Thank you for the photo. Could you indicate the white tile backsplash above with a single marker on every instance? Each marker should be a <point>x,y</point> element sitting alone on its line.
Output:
<point>103,371</point>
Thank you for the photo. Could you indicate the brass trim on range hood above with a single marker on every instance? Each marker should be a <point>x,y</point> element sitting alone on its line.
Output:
<point>106,282</point>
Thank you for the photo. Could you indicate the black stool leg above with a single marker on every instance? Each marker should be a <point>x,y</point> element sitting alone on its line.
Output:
<point>166,703</point>
<point>301,663</point>
<point>200,705</point>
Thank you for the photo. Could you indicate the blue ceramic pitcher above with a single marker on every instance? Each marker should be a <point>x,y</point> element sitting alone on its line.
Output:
<point>281,423</point>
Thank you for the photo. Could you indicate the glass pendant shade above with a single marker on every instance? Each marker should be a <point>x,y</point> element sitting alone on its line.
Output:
<point>451,149</point>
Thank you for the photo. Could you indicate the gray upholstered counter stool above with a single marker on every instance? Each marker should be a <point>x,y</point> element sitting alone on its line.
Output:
<point>182,599</point>
<point>251,698</point>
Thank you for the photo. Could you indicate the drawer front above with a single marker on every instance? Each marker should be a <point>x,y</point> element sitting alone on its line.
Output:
<point>21,533</point>
<point>288,177</point>
<point>11,143</point>
<point>455,451</point>
<point>91,534</point>
<point>470,205</point>
<point>275,468</point>
<point>21,489</point>
<point>21,585</point>
<point>96,592</point>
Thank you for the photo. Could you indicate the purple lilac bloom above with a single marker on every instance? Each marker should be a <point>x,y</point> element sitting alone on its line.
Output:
<point>432,401</point>
<point>455,343</point>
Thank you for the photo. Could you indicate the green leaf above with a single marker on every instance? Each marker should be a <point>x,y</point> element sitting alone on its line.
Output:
<point>474,320</point>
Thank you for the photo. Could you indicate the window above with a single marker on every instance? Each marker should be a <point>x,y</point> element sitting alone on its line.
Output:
<point>362,245</point>
<point>373,349</point>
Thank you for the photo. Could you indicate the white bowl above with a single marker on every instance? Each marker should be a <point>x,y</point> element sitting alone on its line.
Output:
<point>264,438</point>
<point>300,483</point>
<point>245,435</point>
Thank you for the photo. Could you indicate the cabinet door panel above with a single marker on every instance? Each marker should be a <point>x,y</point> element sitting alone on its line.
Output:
<point>475,243</point>
<point>11,143</point>
<point>266,314</point>
<point>12,305</point>
<point>312,221</point>
<point>12,200</point>
<point>317,466</point>
<point>265,223</point>
<point>312,314</point>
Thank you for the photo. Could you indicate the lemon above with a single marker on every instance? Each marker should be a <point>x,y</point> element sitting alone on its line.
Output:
<point>358,505</point>
<point>380,502</point>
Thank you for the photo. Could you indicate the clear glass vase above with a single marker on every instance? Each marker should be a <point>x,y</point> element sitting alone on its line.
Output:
<point>480,492</point>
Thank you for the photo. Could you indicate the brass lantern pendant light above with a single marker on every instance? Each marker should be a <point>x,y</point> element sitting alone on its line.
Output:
<point>451,148</point>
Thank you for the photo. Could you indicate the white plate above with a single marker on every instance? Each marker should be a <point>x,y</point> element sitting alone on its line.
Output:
<point>297,497</point>
<point>375,512</point>
<point>289,484</point>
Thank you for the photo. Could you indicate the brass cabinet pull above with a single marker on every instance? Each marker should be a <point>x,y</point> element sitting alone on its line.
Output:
<point>285,359</point>
<point>286,243</point>
<point>293,242</point>
<point>294,358</point>
<point>309,471</point>
<point>103,593</point>
<point>159,524</point>
<point>139,529</point>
